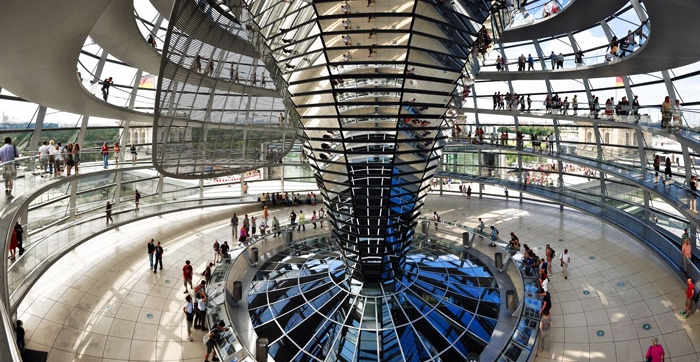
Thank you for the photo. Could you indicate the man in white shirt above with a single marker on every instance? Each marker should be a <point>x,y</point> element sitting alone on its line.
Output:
<point>55,151</point>
<point>565,260</point>
<point>44,157</point>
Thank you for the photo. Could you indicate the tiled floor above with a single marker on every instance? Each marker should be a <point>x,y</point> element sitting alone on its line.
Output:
<point>102,303</point>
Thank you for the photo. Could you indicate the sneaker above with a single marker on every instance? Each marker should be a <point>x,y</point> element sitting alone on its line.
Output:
<point>186,292</point>
<point>683,312</point>
<point>189,338</point>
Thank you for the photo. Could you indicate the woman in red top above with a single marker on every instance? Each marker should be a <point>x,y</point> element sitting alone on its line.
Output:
<point>105,154</point>
<point>13,245</point>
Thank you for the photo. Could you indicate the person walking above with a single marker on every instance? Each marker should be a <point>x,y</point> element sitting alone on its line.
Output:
<point>545,325</point>
<point>13,245</point>
<point>668,174</point>
<point>655,352</point>
<point>242,239</point>
<point>494,236</point>
<point>246,224</point>
<point>234,226</point>
<point>302,221</point>
<point>104,151</point>
<point>19,232</point>
<point>692,194</point>
<point>313,219</point>
<point>565,260</point>
<point>276,226</point>
<point>549,252</point>
<point>137,199</point>
<point>188,309</point>
<point>8,153</point>
<point>292,219</point>
<point>217,252</point>
<point>19,335</point>
<point>321,216</point>
<point>686,250</point>
<point>187,273</point>
<point>253,221</point>
<point>159,258</point>
<point>689,294</point>
<point>132,150</point>
<point>108,211</point>
<point>151,252</point>
<point>436,219</point>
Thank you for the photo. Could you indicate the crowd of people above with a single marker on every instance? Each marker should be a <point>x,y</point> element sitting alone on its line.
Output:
<point>288,199</point>
<point>616,49</point>
<point>54,158</point>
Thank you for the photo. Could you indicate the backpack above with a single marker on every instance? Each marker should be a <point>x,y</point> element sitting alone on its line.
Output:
<point>554,253</point>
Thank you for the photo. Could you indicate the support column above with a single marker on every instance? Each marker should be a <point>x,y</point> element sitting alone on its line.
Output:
<point>100,67</point>
<point>599,156</point>
<point>134,89</point>
<point>159,188</point>
<point>117,187</point>
<point>123,140</point>
<point>72,205</point>
<point>35,140</point>
<point>540,54</point>
<point>642,151</point>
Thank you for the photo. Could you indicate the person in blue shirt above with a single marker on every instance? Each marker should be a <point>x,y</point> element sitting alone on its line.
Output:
<point>8,153</point>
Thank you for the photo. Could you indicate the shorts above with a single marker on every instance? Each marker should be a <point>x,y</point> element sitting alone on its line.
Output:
<point>210,345</point>
<point>190,320</point>
<point>689,304</point>
<point>9,171</point>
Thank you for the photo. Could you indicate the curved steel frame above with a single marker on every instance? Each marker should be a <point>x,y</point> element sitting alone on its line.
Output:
<point>372,86</point>
<point>217,111</point>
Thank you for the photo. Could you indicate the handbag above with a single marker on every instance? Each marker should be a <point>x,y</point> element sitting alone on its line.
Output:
<point>649,354</point>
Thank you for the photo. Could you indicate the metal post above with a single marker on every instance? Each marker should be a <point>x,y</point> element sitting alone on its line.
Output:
<point>261,350</point>
<point>510,300</point>
<point>237,291</point>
